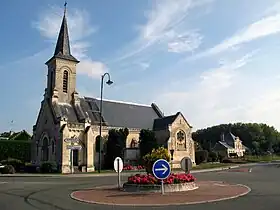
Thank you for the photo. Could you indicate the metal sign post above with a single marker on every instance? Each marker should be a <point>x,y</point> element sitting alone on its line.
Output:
<point>118,166</point>
<point>119,177</point>
<point>161,170</point>
<point>186,164</point>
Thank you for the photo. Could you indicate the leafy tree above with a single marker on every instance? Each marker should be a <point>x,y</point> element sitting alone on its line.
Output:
<point>115,145</point>
<point>212,156</point>
<point>147,142</point>
<point>153,156</point>
<point>260,138</point>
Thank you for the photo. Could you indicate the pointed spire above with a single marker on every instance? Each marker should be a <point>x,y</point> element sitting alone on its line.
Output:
<point>65,4</point>
<point>62,49</point>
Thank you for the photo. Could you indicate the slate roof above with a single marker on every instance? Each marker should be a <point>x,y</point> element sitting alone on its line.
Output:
<point>64,110</point>
<point>121,114</point>
<point>227,140</point>
<point>62,49</point>
<point>223,143</point>
<point>164,122</point>
<point>115,114</point>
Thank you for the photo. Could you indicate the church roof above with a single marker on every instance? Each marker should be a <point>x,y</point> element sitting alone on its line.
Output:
<point>62,49</point>
<point>164,122</point>
<point>122,114</point>
<point>114,114</point>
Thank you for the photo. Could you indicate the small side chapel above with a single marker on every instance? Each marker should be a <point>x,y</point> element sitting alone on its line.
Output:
<point>64,114</point>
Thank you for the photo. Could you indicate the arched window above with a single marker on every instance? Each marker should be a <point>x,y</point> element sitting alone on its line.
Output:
<point>45,149</point>
<point>65,81</point>
<point>181,140</point>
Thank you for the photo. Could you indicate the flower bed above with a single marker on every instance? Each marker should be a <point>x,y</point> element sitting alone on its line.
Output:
<point>149,179</point>
<point>130,167</point>
<point>174,183</point>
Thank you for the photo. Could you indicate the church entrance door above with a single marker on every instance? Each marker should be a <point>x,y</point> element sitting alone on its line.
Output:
<point>75,157</point>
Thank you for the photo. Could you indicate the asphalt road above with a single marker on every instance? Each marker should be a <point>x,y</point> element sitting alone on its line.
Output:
<point>41,193</point>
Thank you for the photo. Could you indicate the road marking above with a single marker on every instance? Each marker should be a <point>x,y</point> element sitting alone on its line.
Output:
<point>3,182</point>
<point>164,169</point>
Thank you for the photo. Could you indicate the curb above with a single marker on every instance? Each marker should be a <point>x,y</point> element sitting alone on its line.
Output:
<point>173,204</point>
<point>129,173</point>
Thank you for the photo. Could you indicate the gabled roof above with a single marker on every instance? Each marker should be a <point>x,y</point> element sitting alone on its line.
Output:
<point>17,134</point>
<point>228,138</point>
<point>164,122</point>
<point>223,143</point>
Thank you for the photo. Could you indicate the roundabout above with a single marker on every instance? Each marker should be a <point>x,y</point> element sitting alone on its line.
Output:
<point>205,192</point>
<point>43,193</point>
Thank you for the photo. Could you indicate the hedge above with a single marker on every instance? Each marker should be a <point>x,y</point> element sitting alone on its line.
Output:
<point>16,149</point>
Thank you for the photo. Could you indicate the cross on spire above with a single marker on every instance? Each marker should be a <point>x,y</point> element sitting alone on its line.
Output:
<point>65,5</point>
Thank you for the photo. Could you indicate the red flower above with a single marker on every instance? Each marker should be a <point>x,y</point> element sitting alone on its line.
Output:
<point>150,179</point>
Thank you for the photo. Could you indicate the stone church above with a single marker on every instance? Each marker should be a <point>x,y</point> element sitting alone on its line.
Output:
<point>64,114</point>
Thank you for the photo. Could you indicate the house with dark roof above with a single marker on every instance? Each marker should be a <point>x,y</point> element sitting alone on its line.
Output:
<point>230,144</point>
<point>21,135</point>
<point>65,115</point>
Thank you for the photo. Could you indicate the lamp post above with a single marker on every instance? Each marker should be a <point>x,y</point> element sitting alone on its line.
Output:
<point>109,82</point>
<point>172,154</point>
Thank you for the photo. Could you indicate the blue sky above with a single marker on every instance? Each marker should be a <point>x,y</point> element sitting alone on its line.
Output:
<point>216,61</point>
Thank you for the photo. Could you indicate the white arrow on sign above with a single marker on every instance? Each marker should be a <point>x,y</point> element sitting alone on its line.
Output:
<point>164,169</point>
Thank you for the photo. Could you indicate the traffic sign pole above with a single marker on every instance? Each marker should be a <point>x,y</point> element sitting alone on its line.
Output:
<point>119,174</point>
<point>118,166</point>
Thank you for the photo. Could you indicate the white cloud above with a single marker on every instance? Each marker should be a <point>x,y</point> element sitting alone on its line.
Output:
<point>212,98</point>
<point>79,29</point>
<point>266,26</point>
<point>92,68</point>
<point>187,42</point>
<point>166,25</point>
<point>144,65</point>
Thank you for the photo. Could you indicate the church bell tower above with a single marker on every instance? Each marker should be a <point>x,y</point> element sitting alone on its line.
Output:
<point>61,78</point>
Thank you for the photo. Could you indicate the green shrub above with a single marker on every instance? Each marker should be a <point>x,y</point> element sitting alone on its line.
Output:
<point>212,157</point>
<point>16,149</point>
<point>226,160</point>
<point>8,169</point>
<point>48,167</point>
<point>17,164</point>
<point>201,156</point>
<point>222,156</point>
<point>159,153</point>
<point>31,168</point>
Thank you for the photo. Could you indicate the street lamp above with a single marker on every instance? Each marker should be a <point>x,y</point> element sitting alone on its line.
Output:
<point>109,82</point>
<point>172,154</point>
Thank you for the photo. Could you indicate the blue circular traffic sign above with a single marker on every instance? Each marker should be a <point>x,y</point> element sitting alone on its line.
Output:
<point>161,169</point>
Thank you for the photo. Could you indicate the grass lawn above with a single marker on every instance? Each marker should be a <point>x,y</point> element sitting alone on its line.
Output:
<point>266,158</point>
<point>212,165</point>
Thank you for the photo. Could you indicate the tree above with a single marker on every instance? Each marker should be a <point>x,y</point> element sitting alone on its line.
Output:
<point>147,142</point>
<point>115,145</point>
<point>260,138</point>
